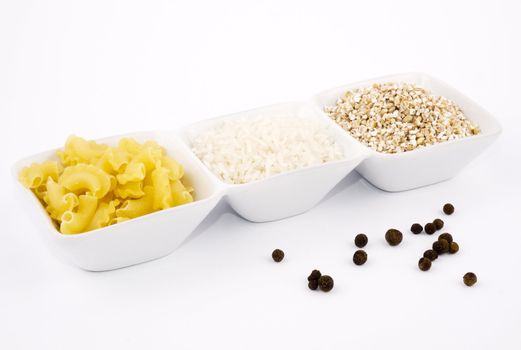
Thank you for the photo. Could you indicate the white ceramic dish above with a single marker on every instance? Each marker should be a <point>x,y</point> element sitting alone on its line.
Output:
<point>158,234</point>
<point>424,166</point>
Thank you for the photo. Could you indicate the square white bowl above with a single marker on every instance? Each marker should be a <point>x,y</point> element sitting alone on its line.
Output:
<point>427,165</point>
<point>137,240</point>
<point>290,193</point>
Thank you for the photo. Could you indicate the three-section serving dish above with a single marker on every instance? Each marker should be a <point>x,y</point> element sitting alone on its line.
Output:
<point>280,196</point>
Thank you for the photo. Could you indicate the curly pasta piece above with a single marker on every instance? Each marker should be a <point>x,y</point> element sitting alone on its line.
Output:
<point>76,222</point>
<point>175,170</point>
<point>180,194</point>
<point>105,213</point>
<point>58,200</point>
<point>149,155</point>
<point>87,178</point>
<point>78,150</point>
<point>130,190</point>
<point>129,145</point>
<point>133,172</point>
<point>162,192</point>
<point>113,160</point>
<point>36,175</point>
<point>133,208</point>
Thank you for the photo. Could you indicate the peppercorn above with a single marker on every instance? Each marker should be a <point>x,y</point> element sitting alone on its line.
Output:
<point>393,237</point>
<point>416,228</point>
<point>430,228</point>
<point>361,240</point>
<point>438,223</point>
<point>326,283</point>
<point>453,247</point>
<point>424,264</point>
<point>448,209</point>
<point>313,284</point>
<point>441,246</point>
<point>360,257</point>
<point>446,236</point>
<point>277,255</point>
<point>470,279</point>
<point>430,254</point>
<point>315,275</point>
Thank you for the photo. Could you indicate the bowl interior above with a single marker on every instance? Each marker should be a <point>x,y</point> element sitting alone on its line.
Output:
<point>305,110</point>
<point>204,185</point>
<point>487,123</point>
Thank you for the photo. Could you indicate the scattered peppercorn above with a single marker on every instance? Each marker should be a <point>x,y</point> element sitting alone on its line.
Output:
<point>361,240</point>
<point>441,246</point>
<point>416,228</point>
<point>430,254</point>
<point>453,247</point>
<point>446,236</point>
<point>424,264</point>
<point>313,284</point>
<point>438,223</point>
<point>393,237</point>
<point>470,279</point>
<point>277,255</point>
<point>360,257</point>
<point>430,228</point>
<point>448,209</point>
<point>315,275</point>
<point>326,283</point>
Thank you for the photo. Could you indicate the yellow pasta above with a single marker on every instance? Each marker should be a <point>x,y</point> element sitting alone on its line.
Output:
<point>129,145</point>
<point>133,208</point>
<point>78,150</point>
<point>36,175</point>
<point>133,172</point>
<point>96,185</point>
<point>175,170</point>
<point>162,192</point>
<point>85,177</point>
<point>105,213</point>
<point>59,200</point>
<point>113,160</point>
<point>149,155</point>
<point>77,221</point>
<point>130,190</point>
<point>180,194</point>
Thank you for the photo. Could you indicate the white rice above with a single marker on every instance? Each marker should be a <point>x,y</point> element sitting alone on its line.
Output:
<point>244,150</point>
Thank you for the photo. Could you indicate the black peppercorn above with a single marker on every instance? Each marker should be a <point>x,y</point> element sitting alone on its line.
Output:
<point>424,264</point>
<point>438,223</point>
<point>277,255</point>
<point>430,254</point>
<point>315,275</point>
<point>416,228</point>
<point>361,240</point>
<point>393,237</point>
<point>430,228</point>
<point>446,236</point>
<point>448,209</point>
<point>326,283</point>
<point>313,284</point>
<point>360,257</point>
<point>470,279</point>
<point>441,246</point>
<point>453,247</point>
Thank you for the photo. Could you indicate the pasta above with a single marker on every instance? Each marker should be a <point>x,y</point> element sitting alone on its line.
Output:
<point>37,174</point>
<point>94,185</point>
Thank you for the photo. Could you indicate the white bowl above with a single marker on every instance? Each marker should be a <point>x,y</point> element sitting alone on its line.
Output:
<point>423,166</point>
<point>291,193</point>
<point>277,197</point>
<point>137,240</point>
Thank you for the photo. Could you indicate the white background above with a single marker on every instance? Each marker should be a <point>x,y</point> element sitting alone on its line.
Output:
<point>96,68</point>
